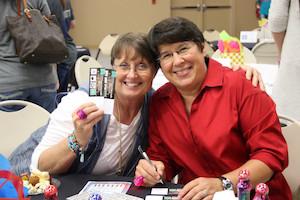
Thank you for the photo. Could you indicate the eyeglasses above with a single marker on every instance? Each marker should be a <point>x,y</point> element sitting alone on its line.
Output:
<point>139,68</point>
<point>183,50</point>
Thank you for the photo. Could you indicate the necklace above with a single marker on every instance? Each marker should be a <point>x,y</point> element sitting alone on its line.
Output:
<point>120,166</point>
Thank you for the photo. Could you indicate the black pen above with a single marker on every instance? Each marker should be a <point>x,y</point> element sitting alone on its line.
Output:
<point>144,154</point>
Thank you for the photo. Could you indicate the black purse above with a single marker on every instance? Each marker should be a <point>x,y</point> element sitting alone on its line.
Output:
<point>38,39</point>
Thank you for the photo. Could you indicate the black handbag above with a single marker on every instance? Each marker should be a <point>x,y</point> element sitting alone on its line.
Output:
<point>38,39</point>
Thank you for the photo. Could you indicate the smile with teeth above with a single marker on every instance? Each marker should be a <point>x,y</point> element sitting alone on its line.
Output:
<point>182,71</point>
<point>131,84</point>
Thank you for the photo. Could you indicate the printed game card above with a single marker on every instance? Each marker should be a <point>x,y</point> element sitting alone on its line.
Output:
<point>106,186</point>
<point>102,88</point>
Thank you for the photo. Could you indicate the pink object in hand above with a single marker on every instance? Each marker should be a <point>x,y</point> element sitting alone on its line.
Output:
<point>81,114</point>
<point>138,181</point>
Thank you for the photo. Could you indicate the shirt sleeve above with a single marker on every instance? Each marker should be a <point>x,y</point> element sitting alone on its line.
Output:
<point>278,15</point>
<point>41,5</point>
<point>262,130</point>
<point>60,125</point>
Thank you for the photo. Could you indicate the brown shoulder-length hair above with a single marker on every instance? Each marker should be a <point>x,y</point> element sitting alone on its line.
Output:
<point>136,41</point>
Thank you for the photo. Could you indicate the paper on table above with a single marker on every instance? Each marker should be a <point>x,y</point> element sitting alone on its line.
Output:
<point>154,197</point>
<point>104,196</point>
<point>106,186</point>
<point>224,195</point>
<point>160,191</point>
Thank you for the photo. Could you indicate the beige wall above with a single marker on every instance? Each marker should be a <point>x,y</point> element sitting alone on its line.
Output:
<point>244,16</point>
<point>97,18</point>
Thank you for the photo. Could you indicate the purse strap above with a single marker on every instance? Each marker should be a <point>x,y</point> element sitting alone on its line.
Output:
<point>15,180</point>
<point>26,10</point>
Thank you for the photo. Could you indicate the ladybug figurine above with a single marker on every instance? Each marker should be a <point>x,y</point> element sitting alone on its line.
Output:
<point>50,193</point>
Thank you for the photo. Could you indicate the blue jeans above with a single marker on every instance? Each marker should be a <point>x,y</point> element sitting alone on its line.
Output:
<point>43,96</point>
<point>63,73</point>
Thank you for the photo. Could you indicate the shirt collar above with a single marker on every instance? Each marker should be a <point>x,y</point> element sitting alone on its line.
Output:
<point>215,74</point>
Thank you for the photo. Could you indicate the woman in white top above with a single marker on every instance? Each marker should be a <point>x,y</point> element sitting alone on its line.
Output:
<point>81,138</point>
<point>284,22</point>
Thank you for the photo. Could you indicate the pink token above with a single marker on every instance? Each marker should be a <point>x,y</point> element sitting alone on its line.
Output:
<point>138,181</point>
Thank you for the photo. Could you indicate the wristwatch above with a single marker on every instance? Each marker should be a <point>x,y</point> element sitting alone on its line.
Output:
<point>226,183</point>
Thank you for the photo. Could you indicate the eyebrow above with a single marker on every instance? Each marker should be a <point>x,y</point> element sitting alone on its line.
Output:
<point>179,46</point>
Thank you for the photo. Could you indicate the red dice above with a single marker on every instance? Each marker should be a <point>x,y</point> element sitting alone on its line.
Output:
<point>50,193</point>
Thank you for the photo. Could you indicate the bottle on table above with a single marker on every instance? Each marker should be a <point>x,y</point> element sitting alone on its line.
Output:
<point>244,186</point>
<point>261,192</point>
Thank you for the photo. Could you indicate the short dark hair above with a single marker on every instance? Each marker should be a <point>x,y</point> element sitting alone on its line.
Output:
<point>136,41</point>
<point>172,30</point>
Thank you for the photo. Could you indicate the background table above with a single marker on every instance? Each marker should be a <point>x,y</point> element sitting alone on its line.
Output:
<point>73,183</point>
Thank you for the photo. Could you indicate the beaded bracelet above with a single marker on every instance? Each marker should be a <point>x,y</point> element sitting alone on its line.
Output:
<point>74,146</point>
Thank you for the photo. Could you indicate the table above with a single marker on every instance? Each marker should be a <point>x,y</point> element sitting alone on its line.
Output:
<point>73,183</point>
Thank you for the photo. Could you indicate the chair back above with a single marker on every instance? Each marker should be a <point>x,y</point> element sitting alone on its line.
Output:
<point>266,52</point>
<point>16,126</point>
<point>211,35</point>
<point>82,69</point>
<point>106,45</point>
<point>208,50</point>
<point>248,56</point>
<point>291,133</point>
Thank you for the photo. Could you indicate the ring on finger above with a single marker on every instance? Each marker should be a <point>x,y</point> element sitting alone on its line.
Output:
<point>81,114</point>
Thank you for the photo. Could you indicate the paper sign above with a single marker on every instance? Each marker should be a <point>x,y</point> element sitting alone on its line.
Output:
<point>248,36</point>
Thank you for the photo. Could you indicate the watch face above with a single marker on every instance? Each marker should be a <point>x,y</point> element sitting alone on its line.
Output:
<point>227,184</point>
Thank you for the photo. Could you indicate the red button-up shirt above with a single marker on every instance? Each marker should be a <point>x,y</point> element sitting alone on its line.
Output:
<point>230,122</point>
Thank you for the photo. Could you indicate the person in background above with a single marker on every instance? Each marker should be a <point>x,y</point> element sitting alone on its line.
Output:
<point>69,14</point>
<point>208,123</point>
<point>35,83</point>
<point>284,22</point>
<point>63,68</point>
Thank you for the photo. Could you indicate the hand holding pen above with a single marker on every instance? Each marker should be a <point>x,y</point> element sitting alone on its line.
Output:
<point>145,156</point>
